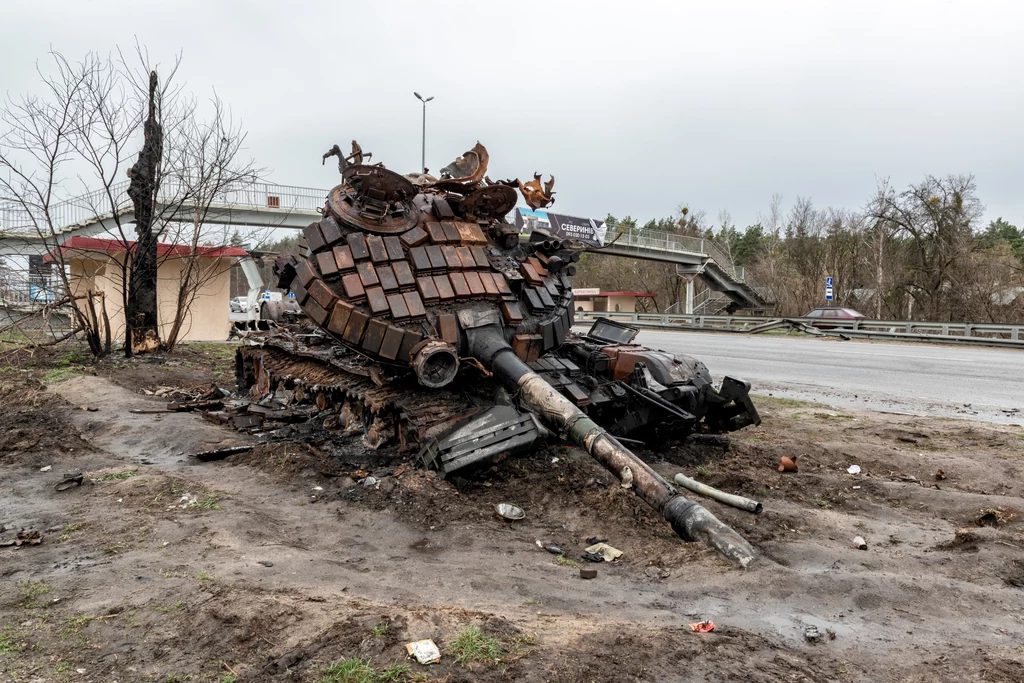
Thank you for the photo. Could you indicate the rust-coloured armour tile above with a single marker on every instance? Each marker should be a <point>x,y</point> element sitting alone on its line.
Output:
<point>502,283</point>
<point>542,257</point>
<point>538,266</point>
<point>399,311</point>
<point>451,233</point>
<point>403,273</point>
<point>322,294</point>
<point>436,257</point>
<point>357,243</point>
<point>410,340</point>
<point>300,292</point>
<point>476,285</point>
<point>420,260</point>
<point>375,244</point>
<point>315,311</point>
<point>356,324</point>
<point>330,230</point>
<point>533,278</point>
<point>442,210</point>
<point>470,233</point>
<point>376,300</point>
<point>386,275</point>
<point>339,317</point>
<point>512,312</point>
<point>428,290</point>
<point>393,246</point>
<point>527,346</point>
<point>451,257</point>
<point>392,342</point>
<point>304,273</point>
<point>414,237</point>
<point>353,287</point>
<point>367,273</point>
<point>415,304</point>
<point>444,288</point>
<point>436,233</point>
<point>343,259</point>
<point>448,326</point>
<point>459,284</point>
<point>314,238</point>
<point>490,289</point>
<point>480,256</point>
<point>466,257</point>
<point>328,266</point>
<point>375,331</point>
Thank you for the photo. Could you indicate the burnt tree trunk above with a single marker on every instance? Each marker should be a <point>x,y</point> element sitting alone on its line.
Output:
<point>141,332</point>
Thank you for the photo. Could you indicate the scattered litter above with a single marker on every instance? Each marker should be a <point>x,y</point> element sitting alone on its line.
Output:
<point>596,539</point>
<point>605,551</point>
<point>187,500</point>
<point>553,548</point>
<point>554,460</point>
<point>370,481</point>
<point>425,651</point>
<point>812,635</point>
<point>90,409</point>
<point>46,469</point>
<point>787,464</point>
<point>703,627</point>
<point>23,538</point>
<point>266,563</point>
<point>318,488</point>
<point>831,634</point>
<point>853,469</point>
<point>940,475</point>
<point>856,488</point>
<point>69,481</point>
<point>588,573</point>
<point>859,543</point>
<point>509,511</point>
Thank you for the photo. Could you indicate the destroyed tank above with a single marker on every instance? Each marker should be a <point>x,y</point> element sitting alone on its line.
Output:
<point>432,327</point>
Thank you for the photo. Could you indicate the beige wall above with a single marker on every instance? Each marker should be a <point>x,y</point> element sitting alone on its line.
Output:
<point>627,304</point>
<point>207,318</point>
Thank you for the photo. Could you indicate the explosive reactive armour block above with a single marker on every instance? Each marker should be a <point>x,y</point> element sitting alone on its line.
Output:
<point>444,288</point>
<point>300,292</point>
<point>355,327</point>
<point>528,346</point>
<point>330,231</point>
<point>420,260</point>
<point>403,273</point>
<point>451,233</point>
<point>448,327</point>
<point>415,305</point>
<point>343,259</point>
<point>410,340</point>
<point>442,210</point>
<point>378,252</point>
<point>480,256</point>
<point>427,289</point>
<point>367,274</point>
<point>436,257</point>
<point>353,287</point>
<point>436,233</point>
<point>414,237</point>
<point>376,300</point>
<point>315,311</point>
<point>386,275</point>
<point>392,342</point>
<point>339,317</point>
<point>512,312</point>
<point>322,294</point>
<point>451,257</point>
<point>314,238</point>
<point>476,285</point>
<point>357,243</point>
<point>459,284</point>
<point>393,246</point>
<point>529,272</point>
<point>465,255</point>
<point>399,310</point>
<point>304,273</point>
<point>328,266</point>
<point>374,336</point>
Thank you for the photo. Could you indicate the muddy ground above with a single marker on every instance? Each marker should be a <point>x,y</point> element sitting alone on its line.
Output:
<point>279,565</point>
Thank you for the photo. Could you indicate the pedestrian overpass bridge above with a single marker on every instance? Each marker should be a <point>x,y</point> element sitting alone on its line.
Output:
<point>269,205</point>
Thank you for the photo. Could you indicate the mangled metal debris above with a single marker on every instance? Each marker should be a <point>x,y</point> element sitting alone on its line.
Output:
<point>432,329</point>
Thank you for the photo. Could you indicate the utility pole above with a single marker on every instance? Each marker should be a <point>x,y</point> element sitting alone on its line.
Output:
<point>423,157</point>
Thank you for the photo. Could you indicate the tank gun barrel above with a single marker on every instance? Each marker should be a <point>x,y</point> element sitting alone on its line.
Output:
<point>690,520</point>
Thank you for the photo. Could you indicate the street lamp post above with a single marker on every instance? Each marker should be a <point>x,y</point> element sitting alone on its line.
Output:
<point>423,157</point>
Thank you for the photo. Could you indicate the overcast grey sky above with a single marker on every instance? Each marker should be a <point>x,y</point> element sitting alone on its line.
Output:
<point>635,107</point>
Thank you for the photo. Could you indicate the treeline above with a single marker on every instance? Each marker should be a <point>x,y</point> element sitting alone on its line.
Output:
<point>921,254</point>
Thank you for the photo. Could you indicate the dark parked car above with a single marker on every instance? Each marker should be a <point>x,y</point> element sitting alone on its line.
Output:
<point>824,315</point>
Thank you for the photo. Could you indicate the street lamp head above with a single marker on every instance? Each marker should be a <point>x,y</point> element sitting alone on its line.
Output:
<point>418,96</point>
<point>429,98</point>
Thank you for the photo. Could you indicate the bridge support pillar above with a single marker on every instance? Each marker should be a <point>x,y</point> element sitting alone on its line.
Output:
<point>689,295</point>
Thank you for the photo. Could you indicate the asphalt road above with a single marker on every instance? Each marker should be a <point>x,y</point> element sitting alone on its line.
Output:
<point>923,379</point>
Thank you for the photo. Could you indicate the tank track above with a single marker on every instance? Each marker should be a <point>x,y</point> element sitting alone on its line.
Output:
<point>352,394</point>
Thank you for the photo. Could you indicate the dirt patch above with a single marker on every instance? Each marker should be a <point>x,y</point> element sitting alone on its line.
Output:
<point>278,563</point>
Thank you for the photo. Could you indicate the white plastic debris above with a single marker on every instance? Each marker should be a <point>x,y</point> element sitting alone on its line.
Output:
<point>370,481</point>
<point>554,460</point>
<point>318,488</point>
<point>187,500</point>
<point>859,543</point>
<point>853,469</point>
<point>425,651</point>
<point>609,553</point>
<point>45,469</point>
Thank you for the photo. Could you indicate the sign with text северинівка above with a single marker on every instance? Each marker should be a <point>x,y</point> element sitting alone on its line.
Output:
<point>586,230</point>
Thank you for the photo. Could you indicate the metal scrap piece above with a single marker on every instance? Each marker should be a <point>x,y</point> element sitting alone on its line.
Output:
<point>535,196</point>
<point>469,168</point>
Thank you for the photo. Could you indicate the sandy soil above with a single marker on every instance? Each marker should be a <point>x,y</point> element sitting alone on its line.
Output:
<point>272,565</point>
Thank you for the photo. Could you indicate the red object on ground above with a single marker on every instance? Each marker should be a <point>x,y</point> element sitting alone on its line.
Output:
<point>703,627</point>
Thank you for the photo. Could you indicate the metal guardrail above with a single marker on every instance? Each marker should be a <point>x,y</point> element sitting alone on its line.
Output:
<point>1000,334</point>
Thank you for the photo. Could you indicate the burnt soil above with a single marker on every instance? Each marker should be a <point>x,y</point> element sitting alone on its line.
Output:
<point>273,564</point>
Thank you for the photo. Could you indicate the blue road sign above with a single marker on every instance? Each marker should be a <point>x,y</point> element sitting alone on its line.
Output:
<point>828,282</point>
